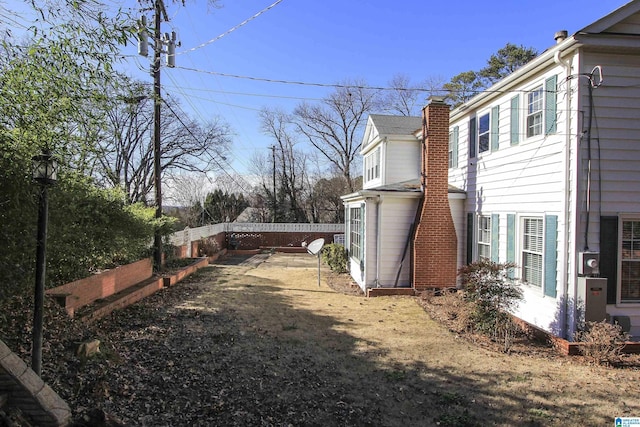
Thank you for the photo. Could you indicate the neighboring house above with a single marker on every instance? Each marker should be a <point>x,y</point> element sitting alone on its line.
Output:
<point>548,161</point>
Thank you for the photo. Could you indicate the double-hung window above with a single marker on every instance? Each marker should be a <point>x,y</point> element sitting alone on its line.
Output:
<point>484,128</point>
<point>372,165</point>
<point>630,262</point>
<point>355,238</point>
<point>484,237</point>
<point>535,104</point>
<point>532,251</point>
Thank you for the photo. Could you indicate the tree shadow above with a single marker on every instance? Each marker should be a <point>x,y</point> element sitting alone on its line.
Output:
<point>241,353</point>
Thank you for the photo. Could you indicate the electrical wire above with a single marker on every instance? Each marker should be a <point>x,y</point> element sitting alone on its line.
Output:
<point>246,21</point>
<point>241,185</point>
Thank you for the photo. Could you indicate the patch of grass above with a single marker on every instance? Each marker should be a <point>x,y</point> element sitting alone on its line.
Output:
<point>540,413</point>
<point>457,420</point>
<point>289,327</point>
<point>396,375</point>
<point>519,378</point>
<point>450,398</point>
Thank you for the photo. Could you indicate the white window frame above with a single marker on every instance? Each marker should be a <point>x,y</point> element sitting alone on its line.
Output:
<point>355,239</point>
<point>483,134</point>
<point>450,149</point>
<point>534,117</point>
<point>622,259</point>
<point>372,165</point>
<point>483,241</point>
<point>531,249</point>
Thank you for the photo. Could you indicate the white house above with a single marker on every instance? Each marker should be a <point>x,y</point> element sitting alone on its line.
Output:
<point>547,162</point>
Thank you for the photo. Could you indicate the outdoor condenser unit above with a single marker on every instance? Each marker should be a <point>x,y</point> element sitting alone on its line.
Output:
<point>592,299</point>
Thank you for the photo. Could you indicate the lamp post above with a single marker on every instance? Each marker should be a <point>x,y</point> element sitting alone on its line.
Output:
<point>45,174</point>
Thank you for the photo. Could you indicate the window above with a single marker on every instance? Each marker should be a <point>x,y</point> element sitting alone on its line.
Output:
<point>355,224</point>
<point>630,260</point>
<point>532,251</point>
<point>484,123</point>
<point>450,150</point>
<point>453,147</point>
<point>534,111</point>
<point>484,237</point>
<point>372,165</point>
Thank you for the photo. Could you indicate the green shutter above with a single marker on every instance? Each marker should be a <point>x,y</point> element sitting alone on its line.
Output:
<point>470,229</point>
<point>609,255</point>
<point>362,228</point>
<point>550,102</point>
<point>511,241</point>
<point>454,151</point>
<point>515,120</point>
<point>495,237</point>
<point>495,128</point>
<point>472,137</point>
<point>550,255</point>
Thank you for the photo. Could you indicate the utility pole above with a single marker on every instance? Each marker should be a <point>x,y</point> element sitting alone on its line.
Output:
<point>273,151</point>
<point>157,167</point>
<point>160,14</point>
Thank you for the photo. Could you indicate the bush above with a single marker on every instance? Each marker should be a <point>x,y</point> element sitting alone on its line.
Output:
<point>488,285</point>
<point>601,342</point>
<point>208,246</point>
<point>335,256</point>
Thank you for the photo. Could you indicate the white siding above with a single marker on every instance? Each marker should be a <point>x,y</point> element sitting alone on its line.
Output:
<point>616,133</point>
<point>397,215</point>
<point>524,178</point>
<point>401,161</point>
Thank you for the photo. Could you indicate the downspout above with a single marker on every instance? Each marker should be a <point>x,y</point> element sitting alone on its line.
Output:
<point>565,201</point>
<point>423,185</point>
<point>378,200</point>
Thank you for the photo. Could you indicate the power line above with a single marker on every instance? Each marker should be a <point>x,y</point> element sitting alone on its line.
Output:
<point>347,86</point>
<point>241,185</point>
<point>246,21</point>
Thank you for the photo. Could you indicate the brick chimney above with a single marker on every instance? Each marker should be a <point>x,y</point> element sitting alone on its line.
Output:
<point>435,241</point>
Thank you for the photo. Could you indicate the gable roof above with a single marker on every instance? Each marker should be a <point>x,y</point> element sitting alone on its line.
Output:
<point>613,22</point>
<point>396,125</point>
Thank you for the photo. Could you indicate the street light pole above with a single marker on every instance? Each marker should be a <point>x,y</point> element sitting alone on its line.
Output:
<point>44,172</point>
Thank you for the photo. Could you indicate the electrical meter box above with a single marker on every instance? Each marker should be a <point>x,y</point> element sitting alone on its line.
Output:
<point>592,299</point>
<point>588,263</point>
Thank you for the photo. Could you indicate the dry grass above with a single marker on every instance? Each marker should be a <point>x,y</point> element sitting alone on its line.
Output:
<point>251,344</point>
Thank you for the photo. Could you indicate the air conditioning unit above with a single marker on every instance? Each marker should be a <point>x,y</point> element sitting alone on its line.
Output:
<point>592,299</point>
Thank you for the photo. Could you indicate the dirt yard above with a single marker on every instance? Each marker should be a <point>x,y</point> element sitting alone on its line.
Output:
<point>256,342</point>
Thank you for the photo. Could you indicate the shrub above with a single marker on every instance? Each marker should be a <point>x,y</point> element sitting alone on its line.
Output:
<point>208,246</point>
<point>335,256</point>
<point>601,342</point>
<point>487,284</point>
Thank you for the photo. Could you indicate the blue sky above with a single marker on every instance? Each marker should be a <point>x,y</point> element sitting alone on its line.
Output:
<point>332,40</point>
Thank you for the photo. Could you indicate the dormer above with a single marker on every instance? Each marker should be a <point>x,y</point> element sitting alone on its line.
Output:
<point>390,150</point>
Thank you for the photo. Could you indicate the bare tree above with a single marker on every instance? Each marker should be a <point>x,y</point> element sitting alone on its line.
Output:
<point>334,126</point>
<point>126,156</point>
<point>290,164</point>
<point>407,98</point>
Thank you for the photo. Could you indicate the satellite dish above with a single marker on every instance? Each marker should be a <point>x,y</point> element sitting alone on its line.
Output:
<point>314,247</point>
